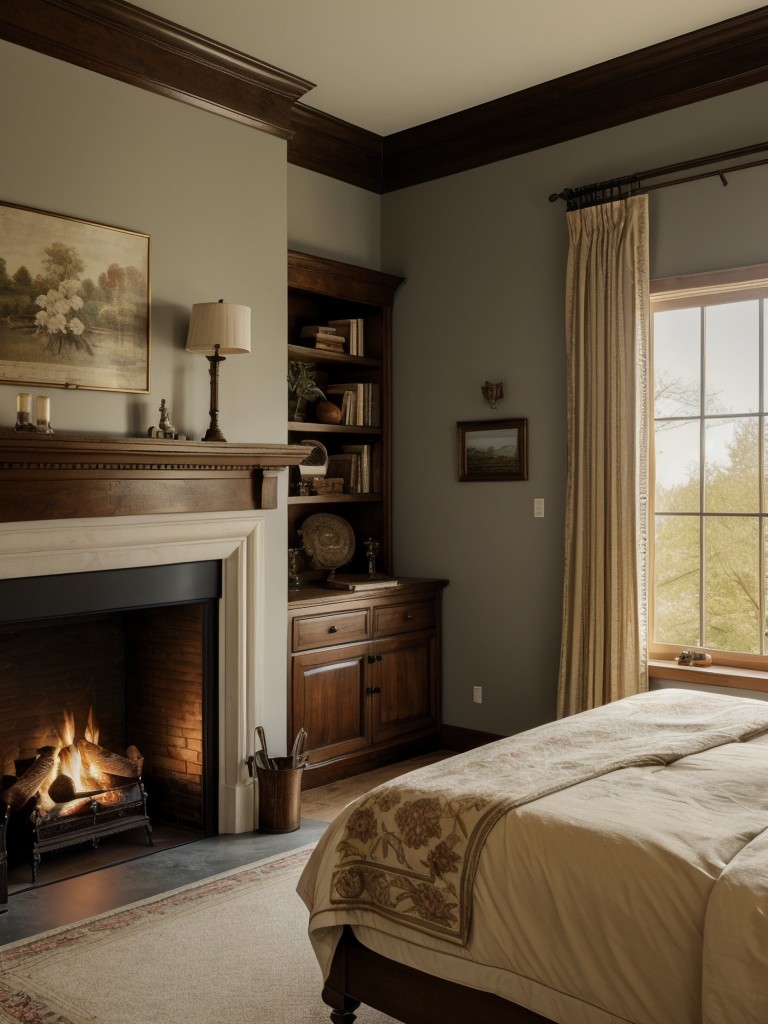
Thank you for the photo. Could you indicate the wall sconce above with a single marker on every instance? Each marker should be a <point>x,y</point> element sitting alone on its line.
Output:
<point>216,330</point>
<point>492,393</point>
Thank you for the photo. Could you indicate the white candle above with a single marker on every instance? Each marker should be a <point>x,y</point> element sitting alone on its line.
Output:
<point>42,408</point>
<point>23,402</point>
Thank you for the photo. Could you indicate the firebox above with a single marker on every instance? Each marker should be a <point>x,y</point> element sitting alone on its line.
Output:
<point>108,705</point>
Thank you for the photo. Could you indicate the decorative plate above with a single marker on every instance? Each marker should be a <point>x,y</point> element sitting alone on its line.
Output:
<point>316,462</point>
<point>328,540</point>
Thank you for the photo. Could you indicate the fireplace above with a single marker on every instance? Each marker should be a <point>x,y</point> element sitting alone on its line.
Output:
<point>97,664</point>
<point>82,505</point>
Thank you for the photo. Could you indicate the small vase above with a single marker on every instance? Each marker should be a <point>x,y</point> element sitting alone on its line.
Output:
<point>297,409</point>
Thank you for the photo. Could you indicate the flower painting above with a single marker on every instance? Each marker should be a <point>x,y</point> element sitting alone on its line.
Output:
<point>74,302</point>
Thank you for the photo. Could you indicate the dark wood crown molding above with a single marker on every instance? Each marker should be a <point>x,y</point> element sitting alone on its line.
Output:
<point>336,148</point>
<point>730,55</point>
<point>125,42</point>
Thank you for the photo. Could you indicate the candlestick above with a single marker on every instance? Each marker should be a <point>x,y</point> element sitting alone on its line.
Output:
<point>23,410</point>
<point>43,414</point>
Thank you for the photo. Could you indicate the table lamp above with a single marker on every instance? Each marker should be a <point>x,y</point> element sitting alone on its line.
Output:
<point>216,330</point>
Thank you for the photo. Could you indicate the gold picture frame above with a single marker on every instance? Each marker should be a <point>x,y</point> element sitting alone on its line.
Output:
<point>492,450</point>
<point>74,303</point>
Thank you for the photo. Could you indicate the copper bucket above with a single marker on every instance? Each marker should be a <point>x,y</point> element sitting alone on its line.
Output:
<point>279,796</point>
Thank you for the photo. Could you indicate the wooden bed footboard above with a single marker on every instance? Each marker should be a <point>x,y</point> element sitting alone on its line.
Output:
<point>358,975</point>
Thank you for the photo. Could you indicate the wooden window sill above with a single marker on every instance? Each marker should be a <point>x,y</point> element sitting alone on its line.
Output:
<point>714,675</point>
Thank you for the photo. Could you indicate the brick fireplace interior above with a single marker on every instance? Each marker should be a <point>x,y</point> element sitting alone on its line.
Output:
<point>138,646</point>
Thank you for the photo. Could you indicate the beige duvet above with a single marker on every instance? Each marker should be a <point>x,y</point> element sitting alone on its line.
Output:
<point>640,895</point>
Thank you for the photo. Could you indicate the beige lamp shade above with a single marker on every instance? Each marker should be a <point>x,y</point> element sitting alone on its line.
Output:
<point>219,323</point>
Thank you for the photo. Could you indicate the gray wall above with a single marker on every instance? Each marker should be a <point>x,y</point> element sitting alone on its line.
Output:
<point>212,195</point>
<point>484,256</point>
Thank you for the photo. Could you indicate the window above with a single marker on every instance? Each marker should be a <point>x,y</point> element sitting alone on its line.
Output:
<point>710,506</point>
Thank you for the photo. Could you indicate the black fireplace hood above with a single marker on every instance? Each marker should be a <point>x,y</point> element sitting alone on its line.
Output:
<point>39,597</point>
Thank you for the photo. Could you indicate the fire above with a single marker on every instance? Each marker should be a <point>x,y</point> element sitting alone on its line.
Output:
<point>73,775</point>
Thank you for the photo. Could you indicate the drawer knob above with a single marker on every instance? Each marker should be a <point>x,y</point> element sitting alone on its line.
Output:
<point>408,617</point>
<point>379,657</point>
<point>372,689</point>
<point>333,629</point>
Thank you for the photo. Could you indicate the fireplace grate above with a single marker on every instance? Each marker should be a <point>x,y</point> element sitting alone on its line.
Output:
<point>92,823</point>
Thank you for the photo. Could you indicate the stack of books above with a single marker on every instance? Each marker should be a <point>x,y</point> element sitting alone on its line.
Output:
<point>325,337</point>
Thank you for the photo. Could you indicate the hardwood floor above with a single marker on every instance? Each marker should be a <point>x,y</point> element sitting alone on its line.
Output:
<point>325,802</point>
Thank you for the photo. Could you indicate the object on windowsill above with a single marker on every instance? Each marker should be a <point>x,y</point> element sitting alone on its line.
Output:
<point>348,581</point>
<point>697,658</point>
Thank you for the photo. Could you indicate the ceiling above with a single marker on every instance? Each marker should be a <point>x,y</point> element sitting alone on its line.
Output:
<point>388,65</point>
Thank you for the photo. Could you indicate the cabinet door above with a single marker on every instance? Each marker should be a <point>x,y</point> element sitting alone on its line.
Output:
<point>404,684</point>
<point>329,700</point>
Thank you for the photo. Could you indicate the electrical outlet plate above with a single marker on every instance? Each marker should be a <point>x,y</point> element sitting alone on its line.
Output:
<point>477,694</point>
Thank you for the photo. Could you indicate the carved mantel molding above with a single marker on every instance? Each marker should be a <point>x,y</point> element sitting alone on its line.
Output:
<point>45,476</point>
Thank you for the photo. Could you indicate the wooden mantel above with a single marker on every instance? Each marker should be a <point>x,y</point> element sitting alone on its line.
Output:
<point>52,476</point>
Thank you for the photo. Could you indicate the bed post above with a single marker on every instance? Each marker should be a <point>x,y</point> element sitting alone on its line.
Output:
<point>334,994</point>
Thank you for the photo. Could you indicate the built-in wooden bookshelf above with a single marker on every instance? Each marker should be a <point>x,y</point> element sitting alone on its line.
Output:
<point>321,291</point>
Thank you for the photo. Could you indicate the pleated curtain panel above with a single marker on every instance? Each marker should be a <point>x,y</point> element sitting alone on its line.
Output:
<point>604,639</point>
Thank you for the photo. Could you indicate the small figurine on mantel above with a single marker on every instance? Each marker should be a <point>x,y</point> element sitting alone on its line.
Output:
<point>166,428</point>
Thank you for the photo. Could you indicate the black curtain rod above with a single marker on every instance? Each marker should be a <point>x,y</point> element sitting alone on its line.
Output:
<point>634,184</point>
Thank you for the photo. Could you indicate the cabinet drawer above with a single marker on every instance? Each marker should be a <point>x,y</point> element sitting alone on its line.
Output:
<point>401,618</point>
<point>310,631</point>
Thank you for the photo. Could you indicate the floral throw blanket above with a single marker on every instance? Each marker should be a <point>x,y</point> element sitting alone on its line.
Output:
<point>410,848</point>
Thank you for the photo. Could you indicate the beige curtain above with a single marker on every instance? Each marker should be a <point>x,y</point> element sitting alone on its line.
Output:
<point>604,640</point>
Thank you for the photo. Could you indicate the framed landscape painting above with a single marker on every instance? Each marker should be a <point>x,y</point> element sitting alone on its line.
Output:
<point>74,302</point>
<point>493,449</point>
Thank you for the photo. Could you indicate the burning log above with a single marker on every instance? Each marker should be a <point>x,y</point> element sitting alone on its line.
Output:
<point>33,778</point>
<point>111,764</point>
<point>63,789</point>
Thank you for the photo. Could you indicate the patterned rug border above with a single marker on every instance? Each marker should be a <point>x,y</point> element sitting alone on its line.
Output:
<point>112,921</point>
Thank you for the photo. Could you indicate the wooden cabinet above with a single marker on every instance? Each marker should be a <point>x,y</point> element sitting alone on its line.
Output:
<point>365,676</point>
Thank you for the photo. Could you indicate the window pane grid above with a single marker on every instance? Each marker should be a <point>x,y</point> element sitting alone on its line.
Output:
<point>724,588</point>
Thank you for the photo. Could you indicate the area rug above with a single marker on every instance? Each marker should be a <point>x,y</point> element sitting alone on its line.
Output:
<point>232,949</point>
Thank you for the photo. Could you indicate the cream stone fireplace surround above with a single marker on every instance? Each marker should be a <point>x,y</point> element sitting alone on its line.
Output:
<point>143,478</point>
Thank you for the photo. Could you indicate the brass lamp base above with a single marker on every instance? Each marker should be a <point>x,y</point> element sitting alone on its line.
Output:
<point>213,433</point>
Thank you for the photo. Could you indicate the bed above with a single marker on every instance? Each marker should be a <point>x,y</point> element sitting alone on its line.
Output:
<point>605,869</point>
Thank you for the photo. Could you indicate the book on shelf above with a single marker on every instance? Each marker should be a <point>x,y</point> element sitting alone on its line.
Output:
<point>364,456</point>
<point>347,466</point>
<point>329,344</point>
<point>349,581</point>
<point>363,407</point>
<point>352,330</point>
